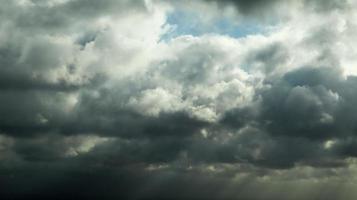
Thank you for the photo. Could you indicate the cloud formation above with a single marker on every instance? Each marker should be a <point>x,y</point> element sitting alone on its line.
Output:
<point>98,99</point>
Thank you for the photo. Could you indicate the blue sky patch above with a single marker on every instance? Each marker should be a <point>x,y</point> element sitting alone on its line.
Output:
<point>190,23</point>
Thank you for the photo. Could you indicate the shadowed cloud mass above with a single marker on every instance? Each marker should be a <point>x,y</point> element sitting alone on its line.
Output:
<point>100,100</point>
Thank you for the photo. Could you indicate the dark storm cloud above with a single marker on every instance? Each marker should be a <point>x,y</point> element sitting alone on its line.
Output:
<point>253,146</point>
<point>121,183</point>
<point>124,123</point>
<point>248,7</point>
<point>271,9</point>
<point>312,103</point>
<point>42,114</point>
<point>307,102</point>
<point>87,129</point>
<point>134,182</point>
<point>38,73</point>
<point>25,113</point>
<point>299,112</point>
<point>42,16</point>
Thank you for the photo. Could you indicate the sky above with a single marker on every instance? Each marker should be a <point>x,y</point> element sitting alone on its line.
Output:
<point>178,99</point>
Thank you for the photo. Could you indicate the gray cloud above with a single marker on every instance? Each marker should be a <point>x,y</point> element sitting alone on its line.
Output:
<point>94,103</point>
<point>249,7</point>
<point>267,7</point>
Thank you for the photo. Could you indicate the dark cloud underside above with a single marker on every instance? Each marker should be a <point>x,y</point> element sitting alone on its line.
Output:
<point>95,104</point>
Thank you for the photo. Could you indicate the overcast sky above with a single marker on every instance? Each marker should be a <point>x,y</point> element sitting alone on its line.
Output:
<point>178,99</point>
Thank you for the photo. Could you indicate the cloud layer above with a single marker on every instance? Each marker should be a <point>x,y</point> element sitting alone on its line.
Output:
<point>103,99</point>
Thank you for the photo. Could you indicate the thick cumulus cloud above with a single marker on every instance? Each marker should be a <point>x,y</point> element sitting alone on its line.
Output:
<point>259,7</point>
<point>98,99</point>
